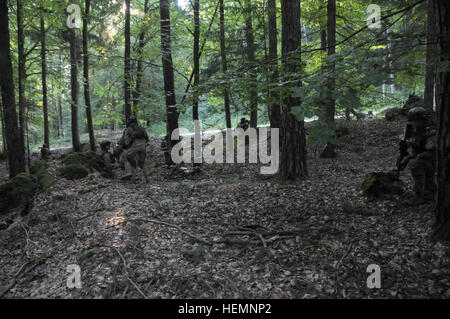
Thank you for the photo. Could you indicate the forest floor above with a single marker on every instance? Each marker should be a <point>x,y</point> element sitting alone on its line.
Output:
<point>227,232</point>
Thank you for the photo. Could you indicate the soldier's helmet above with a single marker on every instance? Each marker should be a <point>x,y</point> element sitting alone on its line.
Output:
<point>417,113</point>
<point>105,144</point>
<point>131,119</point>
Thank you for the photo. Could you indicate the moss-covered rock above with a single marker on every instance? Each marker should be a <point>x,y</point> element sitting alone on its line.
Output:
<point>40,170</point>
<point>79,165</point>
<point>74,171</point>
<point>379,184</point>
<point>17,192</point>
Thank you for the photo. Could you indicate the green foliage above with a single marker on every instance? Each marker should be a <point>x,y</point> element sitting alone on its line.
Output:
<point>321,134</point>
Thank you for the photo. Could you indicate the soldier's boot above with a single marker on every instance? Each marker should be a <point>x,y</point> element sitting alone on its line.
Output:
<point>128,171</point>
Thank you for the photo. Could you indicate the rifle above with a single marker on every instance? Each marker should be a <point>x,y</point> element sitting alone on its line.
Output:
<point>404,149</point>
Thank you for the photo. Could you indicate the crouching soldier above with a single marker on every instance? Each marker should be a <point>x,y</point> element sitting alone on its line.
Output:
<point>422,160</point>
<point>107,157</point>
<point>135,139</point>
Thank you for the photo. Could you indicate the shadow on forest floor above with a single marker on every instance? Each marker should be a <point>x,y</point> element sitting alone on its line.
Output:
<point>227,233</point>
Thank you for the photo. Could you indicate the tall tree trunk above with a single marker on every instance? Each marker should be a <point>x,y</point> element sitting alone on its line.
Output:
<point>127,62</point>
<point>87,96</point>
<point>293,141</point>
<point>15,146</point>
<point>430,73</point>
<point>331,34</point>
<point>169,86</point>
<point>22,72</point>
<point>2,119</point>
<point>223,53</point>
<point>74,89</point>
<point>442,220</point>
<point>253,85</point>
<point>275,111</point>
<point>196,59</point>
<point>44,84</point>
<point>140,50</point>
<point>59,106</point>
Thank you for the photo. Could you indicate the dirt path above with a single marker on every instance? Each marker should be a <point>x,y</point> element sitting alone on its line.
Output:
<point>256,238</point>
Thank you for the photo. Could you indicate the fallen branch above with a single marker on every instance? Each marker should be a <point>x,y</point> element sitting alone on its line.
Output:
<point>126,272</point>
<point>154,221</point>
<point>20,272</point>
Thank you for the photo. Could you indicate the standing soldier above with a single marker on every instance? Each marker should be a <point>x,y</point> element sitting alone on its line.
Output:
<point>422,161</point>
<point>135,139</point>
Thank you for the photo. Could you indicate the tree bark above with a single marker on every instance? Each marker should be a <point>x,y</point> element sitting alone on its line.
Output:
<point>253,84</point>
<point>15,146</point>
<point>74,89</point>
<point>442,220</point>
<point>44,84</point>
<point>430,72</point>
<point>169,86</point>
<point>22,71</point>
<point>87,96</point>
<point>331,35</point>
<point>275,111</point>
<point>293,141</point>
<point>196,59</point>
<point>223,53</point>
<point>127,62</point>
<point>139,69</point>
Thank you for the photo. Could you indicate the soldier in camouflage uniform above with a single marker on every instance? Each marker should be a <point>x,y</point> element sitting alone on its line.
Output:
<point>135,139</point>
<point>243,124</point>
<point>422,161</point>
<point>107,157</point>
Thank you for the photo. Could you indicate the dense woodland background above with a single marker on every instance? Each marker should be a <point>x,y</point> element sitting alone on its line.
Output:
<point>377,68</point>
<point>305,67</point>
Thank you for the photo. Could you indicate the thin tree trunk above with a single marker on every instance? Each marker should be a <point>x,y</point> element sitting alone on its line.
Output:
<point>223,52</point>
<point>28,138</point>
<point>74,89</point>
<point>188,86</point>
<point>331,35</point>
<point>169,86</point>
<point>293,141</point>
<point>87,96</point>
<point>60,117</point>
<point>442,220</point>
<point>139,70</point>
<point>430,73</point>
<point>14,142</point>
<point>275,111</point>
<point>127,62</point>
<point>44,84</point>
<point>59,106</point>
<point>2,118</point>
<point>22,72</point>
<point>196,59</point>
<point>253,85</point>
